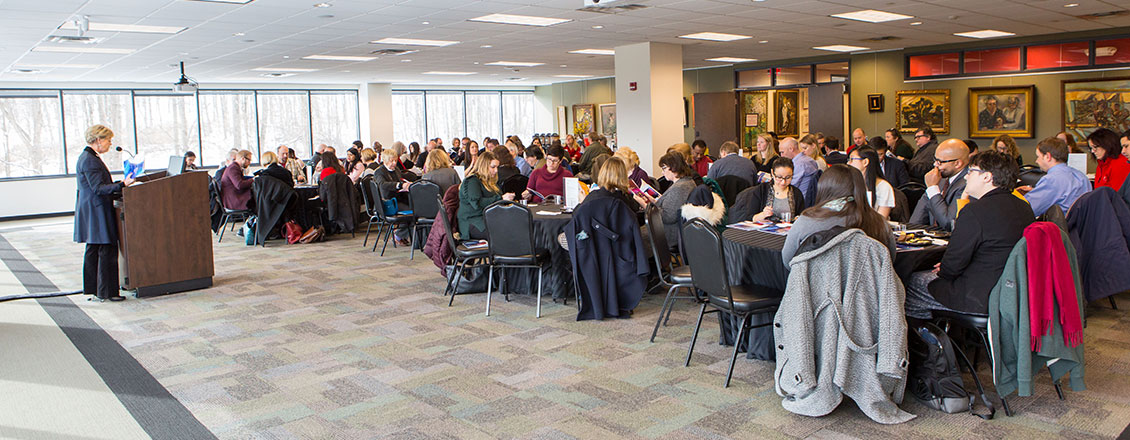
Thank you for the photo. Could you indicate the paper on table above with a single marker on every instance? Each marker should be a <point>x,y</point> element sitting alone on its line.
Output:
<point>1078,161</point>
<point>460,170</point>
<point>549,213</point>
<point>745,226</point>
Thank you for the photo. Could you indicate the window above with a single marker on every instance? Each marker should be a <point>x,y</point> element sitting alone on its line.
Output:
<point>832,72</point>
<point>1051,56</point>
<point>484,115</point>
<point>227,121</point>
<point>30,134</point>
<point>166,126</point>
<point>755,78</point>
<point>334,118</point>
<point>114,109</point>
<point>992,60</point>
<point>788,76</point>
<point>284,119</point>
<point>408,117</point>
<point>1112,51</point>
<point>934,65</point>
<point>445,114</point>
<point>518,115</point>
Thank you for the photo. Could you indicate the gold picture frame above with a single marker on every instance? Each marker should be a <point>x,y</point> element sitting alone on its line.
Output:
<point>994,111</point>
<point>915,108</point>
<point>583,119</point>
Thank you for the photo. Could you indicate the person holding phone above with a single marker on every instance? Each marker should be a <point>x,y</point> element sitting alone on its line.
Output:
<point>94,217</point>
<point>775,201</point>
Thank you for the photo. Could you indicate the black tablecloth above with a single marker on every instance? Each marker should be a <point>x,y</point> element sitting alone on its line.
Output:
<point>557,280</point>
<point>754,258</point>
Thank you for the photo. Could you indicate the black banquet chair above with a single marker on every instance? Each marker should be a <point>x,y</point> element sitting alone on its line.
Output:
<point>424,197</point>
<point>510,241</point>
<point>385,223</point>
<point>708,270</point>
<point>461,256</point>
<point>672,278</point>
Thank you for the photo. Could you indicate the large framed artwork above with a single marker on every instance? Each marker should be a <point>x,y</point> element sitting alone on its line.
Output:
<point>786,108</point>
<point>1093,103</point>
<point>608,121</point>
<point>917,108</point>
<point>994,111</point>
<point>583,121</point>
<point>562,125</point>
<point>752,117</point>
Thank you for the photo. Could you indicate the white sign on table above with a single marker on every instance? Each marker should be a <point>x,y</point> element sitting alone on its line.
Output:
<point>572,192</point>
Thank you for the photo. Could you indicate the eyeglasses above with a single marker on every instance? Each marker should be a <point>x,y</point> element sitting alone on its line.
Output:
<point>976,170</point>
<point>782,178</point>
<point>855,158</point>
<point>939,161</point>
<point>920,136</point>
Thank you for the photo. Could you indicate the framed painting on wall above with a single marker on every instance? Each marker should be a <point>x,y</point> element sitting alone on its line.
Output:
<point>562,124</point>
<point>608,121</point>
<point>786,107</point>
<point>753,106</point>
<point>994,111</point>
<point>1093,103</point>
<point>583,121</point>
<point>917,108</point>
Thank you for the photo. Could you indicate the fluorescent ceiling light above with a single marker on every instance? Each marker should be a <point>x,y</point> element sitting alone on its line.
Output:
<point>594,52</point>
<point>572,76</point>
<point>414,42</point>
<point>514,64</point>
<point>524,20</point>
<point>437,72</point>
<point>841,48</point>
<point>731,59</point>
<point>872,16</point>
<point>282,69</point>
<point>987,33</point>
<point>112,27</point>
<point>234,2</point>
<point>715,36</point>
<point>61,66</point>
<point>337,58</point>
<point>100,50</point>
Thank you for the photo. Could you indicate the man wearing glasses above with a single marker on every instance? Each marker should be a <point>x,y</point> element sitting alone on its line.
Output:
<point>944,185</point>
<point>923,160</point>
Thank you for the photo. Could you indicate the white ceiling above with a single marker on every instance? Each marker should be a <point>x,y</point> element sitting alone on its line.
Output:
<point>275,29</point>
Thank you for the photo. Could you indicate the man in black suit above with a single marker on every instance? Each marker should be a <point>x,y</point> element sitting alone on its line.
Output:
<point>832,152</point>
<point>891,167</point>
<point>94,217</point>
<point>982,240</point>
<point>944,185</point>
<point>923,160</point>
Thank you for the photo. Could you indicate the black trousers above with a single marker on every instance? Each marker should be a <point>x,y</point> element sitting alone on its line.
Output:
<point>100,270</point>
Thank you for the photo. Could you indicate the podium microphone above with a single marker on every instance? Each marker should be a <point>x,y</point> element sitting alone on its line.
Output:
<point>125,151</point>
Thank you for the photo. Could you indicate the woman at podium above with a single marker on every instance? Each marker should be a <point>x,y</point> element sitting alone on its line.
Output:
<point>94,217</point>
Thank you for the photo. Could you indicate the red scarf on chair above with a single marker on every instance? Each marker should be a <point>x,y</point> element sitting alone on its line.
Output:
<point>1051,283</point>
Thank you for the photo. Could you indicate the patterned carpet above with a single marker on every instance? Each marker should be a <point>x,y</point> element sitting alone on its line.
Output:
<point>330,340</point>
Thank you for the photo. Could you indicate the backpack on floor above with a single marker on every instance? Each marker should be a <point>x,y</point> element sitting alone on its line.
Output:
<point>249,230</point>
<point>935,378</point>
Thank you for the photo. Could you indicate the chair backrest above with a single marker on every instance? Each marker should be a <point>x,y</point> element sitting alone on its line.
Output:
<point>1055,215</point>
<point>515,184</point>
<point>441,221</point>
<point>423,194</point>
<point>810,193</point>
<point>913,192</point>
<point>660,249</point>
<point>510,230</point>
<point>1031,176</point>
<point>901,211</point>
<point>703,248</point>
<point>731,186</point>
<point>371,207</point>
<point>375,195</point>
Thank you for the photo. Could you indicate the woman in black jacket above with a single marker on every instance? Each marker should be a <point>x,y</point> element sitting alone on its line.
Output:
<point>271,162</point>
<point>770,201</point>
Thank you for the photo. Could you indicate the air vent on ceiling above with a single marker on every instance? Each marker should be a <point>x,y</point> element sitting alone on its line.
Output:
<point>393,52</point>
<point>883,38</point>
<point>276,75</point>
<point>1108,14</point>
<point>24,71</point>
<point>514,78</point>
<point>71,39</point>
<point>613,9</point>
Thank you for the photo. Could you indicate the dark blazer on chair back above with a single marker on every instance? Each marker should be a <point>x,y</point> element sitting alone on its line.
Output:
<point>336,190</point>
<point>1099,225</point>
<point>94,206</point>
<point>271,199</point>
<point>608,257</point>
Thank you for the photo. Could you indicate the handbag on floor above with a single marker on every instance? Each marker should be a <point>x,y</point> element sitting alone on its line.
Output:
<point>313,235</point>
<point>293,232</point>
<point>935,379</point>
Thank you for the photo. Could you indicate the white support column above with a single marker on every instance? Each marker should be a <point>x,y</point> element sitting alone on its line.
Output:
<point>649,118</point>
<point>376,113</point>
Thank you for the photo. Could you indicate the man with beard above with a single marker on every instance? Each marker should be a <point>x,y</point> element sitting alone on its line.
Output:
<point>944,185</point>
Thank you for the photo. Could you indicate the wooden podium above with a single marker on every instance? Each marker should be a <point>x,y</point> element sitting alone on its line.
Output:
<point>165,232</point>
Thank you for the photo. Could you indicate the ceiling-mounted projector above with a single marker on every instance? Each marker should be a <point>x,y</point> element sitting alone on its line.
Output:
<point>184,84</point>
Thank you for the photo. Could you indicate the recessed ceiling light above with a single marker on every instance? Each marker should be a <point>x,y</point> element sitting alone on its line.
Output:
<point>60,66</point>
<point>572,76</point>
<point>486,46</point>
<point>564,65</point>
<point>987,33</point>
<point>406,61</point>
<point>111,27</point>
<point>100,50</point>
<point>440,72</point>
<point>715,36</point>
<point>841,48</point>
<point>915,23</point>
<point>322,5</point>
<point>514,64</point>
<point>763,41</point>
<point>238,34</point>
<point>731,59</point>
<point>524,20</point>
<point>872,16</point>
<point>345,71</point>
<point>1071,5</point>
<point>425,22</point>
<point>338,58</point>
<point>594,52</point>
<point>282,69</point>
<point>414,42</point>
<point>476,63</point>
<point>598,26</point>
<point>286,57</point>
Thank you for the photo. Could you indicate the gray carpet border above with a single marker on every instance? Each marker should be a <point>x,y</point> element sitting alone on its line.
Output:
<point>160,414</point>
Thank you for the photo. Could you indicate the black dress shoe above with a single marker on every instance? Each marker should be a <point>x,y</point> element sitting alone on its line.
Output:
<point>117,298</point>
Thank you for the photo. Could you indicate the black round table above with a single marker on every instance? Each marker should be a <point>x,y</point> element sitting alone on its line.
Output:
<point>753,258</point>
<point>557,280</point>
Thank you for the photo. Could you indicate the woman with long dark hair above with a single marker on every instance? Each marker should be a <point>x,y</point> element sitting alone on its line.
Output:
<point>353,164</point>
<point>1113,168</point>
<point>413,159</point>
<point>899,146</point>
<point>330,165</point>
<point>880,193</point>
<point>840,201</point>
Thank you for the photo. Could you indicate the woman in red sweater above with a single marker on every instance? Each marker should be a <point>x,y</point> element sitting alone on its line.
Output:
<point>330,165</point>
<point>549,179</point>
<point>1113,167</point>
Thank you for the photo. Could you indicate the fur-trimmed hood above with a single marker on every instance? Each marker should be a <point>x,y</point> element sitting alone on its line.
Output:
<point>712,213</point>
